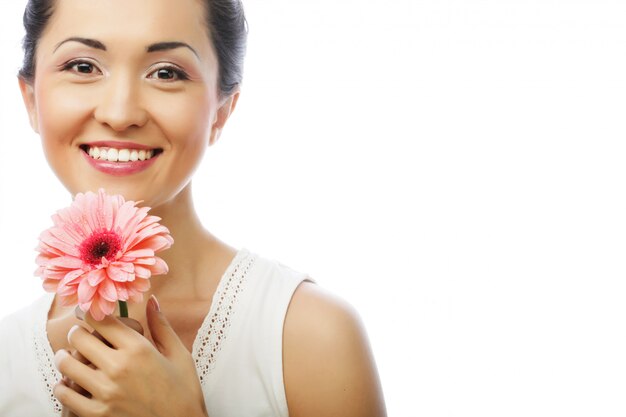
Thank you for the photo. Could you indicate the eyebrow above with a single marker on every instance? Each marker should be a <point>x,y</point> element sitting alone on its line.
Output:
<point>155,47</point>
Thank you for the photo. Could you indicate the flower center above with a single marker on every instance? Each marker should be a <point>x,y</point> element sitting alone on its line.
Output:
<point>100,244</point>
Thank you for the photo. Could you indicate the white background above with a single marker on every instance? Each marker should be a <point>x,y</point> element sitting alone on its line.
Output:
<point>453,168</point>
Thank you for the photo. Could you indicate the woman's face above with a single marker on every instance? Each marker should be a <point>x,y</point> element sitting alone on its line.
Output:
<point>125,95</point>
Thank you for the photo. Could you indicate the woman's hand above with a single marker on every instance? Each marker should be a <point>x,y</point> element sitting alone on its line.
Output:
<point>133,377</point>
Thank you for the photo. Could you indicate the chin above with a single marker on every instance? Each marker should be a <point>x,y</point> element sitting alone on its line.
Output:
<point>128,191</point>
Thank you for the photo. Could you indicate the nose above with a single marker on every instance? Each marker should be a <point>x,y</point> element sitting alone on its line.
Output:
<point>120,105</point>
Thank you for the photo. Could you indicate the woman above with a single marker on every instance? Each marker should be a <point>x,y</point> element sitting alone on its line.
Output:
<point>127,96</point>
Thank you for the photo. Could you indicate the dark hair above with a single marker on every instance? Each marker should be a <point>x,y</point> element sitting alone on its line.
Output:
<point>225,20</point>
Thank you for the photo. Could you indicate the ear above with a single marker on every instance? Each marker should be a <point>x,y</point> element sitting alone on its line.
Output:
<point>223,113</point>
<point>28,95</point>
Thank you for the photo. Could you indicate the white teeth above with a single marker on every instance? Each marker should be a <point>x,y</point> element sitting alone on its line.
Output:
<point>112,155</point>
<point>120,155</point>
<point>123,155</point>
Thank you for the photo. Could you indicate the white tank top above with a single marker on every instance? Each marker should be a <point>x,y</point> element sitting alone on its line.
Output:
<point>237,351</point>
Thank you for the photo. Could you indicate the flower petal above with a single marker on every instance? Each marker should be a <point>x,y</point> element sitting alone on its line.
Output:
<point>72,277</point>
<point>144,261</point>
<point>68,301</point>
<point>65,290</point>
<point>157,243</point>
<point>85,306</point>
<point>159,268</point>
<point>95,277</point>
<point>54,273</point>
<point>50,285</point>
<point>128,217</point>
<point>143,234</point>
<point>125,266</point>
<point>105,210</point>
<point>117,274</point>
<point>106,307</point>
<point>139,253</point>
<point>65,235</point>
<point>96,311</point>
<point>69,262</point>
<point>107,290</point>
<point>85,291</point>
<point>43,259</point>
<point>53,242</point>
<point>122,292</point>
<point>135,296</point>
<point>141,272</point>
<point>141,285</point>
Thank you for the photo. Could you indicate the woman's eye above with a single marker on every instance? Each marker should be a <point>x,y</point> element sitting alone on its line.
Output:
<point>163,73</point>
<point>84,68</point>
<point>81,67</point>
<point>169,74</point>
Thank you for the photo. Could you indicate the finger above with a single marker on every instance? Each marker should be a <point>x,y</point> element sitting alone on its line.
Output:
<point>133,324</point>
<point>73,385</point>
<point>78,372</point>
<point>77,403</point>
<point>114,331</point>
<point>165,338</point>
<point>89,348</point>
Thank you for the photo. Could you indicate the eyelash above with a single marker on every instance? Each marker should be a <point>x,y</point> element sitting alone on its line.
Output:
<point>182,75</point>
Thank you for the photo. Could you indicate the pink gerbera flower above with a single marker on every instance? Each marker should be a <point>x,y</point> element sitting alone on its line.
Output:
<point>101,250</point>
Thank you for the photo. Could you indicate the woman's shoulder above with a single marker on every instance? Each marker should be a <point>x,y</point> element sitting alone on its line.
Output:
<point>305,297</point>
<point>328,363</point>
<point>317,316</point>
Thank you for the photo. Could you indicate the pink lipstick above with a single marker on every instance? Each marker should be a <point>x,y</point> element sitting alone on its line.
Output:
<point>120,158</point>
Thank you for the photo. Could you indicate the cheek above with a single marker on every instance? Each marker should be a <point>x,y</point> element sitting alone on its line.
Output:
<point>185,124</point>
<point>186,121</point>
<point>61,113</point>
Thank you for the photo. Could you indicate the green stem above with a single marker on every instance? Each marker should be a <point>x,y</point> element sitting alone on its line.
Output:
<point>123,309</point>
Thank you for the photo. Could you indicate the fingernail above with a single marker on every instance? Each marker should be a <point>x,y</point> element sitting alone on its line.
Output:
<point>80,314</point>
<point>154,303</point>
<point>72,330</point>
<point>59,356</point>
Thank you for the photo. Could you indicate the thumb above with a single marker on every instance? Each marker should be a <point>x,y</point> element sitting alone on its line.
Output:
<point>164,337</point>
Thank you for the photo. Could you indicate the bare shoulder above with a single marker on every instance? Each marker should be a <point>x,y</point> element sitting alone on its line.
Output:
<point>329,369</point>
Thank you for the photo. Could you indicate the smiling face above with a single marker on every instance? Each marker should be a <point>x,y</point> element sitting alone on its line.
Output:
<point>125,95</point>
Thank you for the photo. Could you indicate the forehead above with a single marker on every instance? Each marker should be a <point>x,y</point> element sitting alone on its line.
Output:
<point>129,24</point>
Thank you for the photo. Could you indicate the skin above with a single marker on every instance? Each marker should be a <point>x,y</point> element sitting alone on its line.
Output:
<point>118,94</point>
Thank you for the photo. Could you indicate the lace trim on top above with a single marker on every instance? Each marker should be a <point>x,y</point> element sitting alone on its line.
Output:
<point>206,346</point>
<point>214,329</point>
<point>45,362</point>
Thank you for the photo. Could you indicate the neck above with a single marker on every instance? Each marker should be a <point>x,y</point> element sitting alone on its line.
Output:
<point>194,257</point>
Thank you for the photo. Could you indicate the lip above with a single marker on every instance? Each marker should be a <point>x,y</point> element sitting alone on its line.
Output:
<point>119,145</point>
<point>120,168</point>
